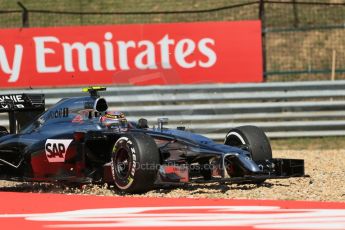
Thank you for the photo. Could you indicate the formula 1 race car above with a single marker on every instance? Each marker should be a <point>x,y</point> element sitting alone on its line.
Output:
<point>79,140</point>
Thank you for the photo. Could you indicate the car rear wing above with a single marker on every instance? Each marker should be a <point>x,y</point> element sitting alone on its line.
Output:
<point>21,108</point>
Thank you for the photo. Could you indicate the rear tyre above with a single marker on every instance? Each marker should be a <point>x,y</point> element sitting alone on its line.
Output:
<point>134,163</point>
<point>252,138</point>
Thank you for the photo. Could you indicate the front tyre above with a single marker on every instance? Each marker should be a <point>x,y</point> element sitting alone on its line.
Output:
<point>252,138</point>
<point>134,163</point>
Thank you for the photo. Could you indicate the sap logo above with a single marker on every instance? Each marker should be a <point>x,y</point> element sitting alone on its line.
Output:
<point>56,149</point>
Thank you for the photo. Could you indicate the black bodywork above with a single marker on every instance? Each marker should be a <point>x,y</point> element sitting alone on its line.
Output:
<point>68,143</point>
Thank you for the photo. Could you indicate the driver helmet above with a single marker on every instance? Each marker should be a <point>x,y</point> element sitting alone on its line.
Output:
<point>114,119</point>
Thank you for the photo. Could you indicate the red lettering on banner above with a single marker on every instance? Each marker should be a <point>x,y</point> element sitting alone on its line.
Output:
<point>209,52</point>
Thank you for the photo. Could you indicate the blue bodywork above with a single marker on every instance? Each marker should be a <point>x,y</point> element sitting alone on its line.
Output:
<point>26,154</point>
<point>202,145</point>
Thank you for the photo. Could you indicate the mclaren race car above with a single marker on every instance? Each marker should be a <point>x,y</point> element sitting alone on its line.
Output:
<point>79,140</point>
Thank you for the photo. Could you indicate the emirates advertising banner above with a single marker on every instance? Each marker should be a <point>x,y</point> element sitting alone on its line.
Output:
<point>138,54</point>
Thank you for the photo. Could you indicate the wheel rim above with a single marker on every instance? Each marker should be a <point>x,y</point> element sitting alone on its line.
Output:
<point>123,164</point>
<point>229,167</point>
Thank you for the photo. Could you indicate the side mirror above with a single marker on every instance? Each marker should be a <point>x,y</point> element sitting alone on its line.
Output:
<point>142,123</point>
<point>162,121</point>
<point>3,131</point>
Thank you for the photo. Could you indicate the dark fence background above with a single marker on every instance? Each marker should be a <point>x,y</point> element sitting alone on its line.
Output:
<point>303,40</point>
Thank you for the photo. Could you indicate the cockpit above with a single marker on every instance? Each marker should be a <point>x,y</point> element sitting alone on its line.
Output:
<point>114,120</point>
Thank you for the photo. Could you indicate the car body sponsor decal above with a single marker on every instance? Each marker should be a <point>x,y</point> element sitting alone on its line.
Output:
<point>56,149</point>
